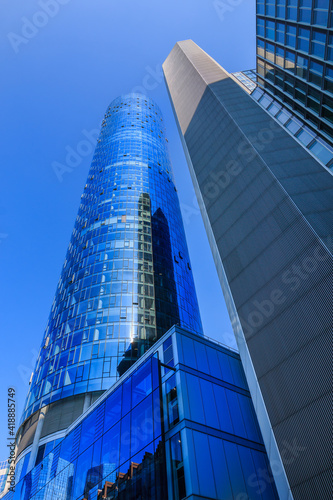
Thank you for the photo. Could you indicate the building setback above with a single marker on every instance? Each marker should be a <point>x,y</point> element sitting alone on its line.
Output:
<point>267,206</point>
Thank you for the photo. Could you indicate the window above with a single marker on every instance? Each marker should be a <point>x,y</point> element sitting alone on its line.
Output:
<point>292,10</point>
<point>291,36</point>
<point>305,7</point>
<point>293,125</point>
<point>321,151</point>
<point>260,27</point>
<point>172,401</point>
<point>281,8</point>
<point>302,67</point>
<point>280,31</point>
<point>269,52</point>
<point>318,44</point>
<point>290,61</point>
<point>177,467</point>
<point>270,30</point>
<point>303,40</point>
<point>279,57</point>
<point>316,73</point>
<point>305,136</point>
<point>270,8</point>
<point>320,14</point>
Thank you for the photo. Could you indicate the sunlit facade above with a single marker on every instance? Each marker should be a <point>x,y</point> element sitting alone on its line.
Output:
<point>126,279</point>
<point>295,58</point>
<point>178,424</point>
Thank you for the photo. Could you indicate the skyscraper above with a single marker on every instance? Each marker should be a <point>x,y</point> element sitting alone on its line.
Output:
<point>295,58</point>
<point>267,205</point>
<point>126,279</point>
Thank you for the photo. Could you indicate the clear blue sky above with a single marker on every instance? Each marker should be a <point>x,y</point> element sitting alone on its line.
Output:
<point>57,80</point>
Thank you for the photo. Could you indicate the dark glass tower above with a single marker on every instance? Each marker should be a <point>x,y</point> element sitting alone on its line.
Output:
<point>295,58</point>
<point>267,206</point>
<point>127,276</point>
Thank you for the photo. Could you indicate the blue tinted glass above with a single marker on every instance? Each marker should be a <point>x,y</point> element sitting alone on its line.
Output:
<point>83,464</point>
<point>113,409</point>
<point>127,396</point>
<point>88,431</point>
<point>250,475</point>
<point>234,409</point>
<point>110,447</point>
<point>320,17</point>
<point>141,383</point>
<point>222,409</point>
<point>225,367</point>
<point>188,352</point>
<point>195,401</point>
<point>142,425</point>
<point>125,438</point>
<point>237,372</point>
<point>204,465</point>
<point>220,469</point>
<point>235,470</point>
<point>213,363</point>
<point>66,447</point>
<point>201,357</point>
<point>209,405</point>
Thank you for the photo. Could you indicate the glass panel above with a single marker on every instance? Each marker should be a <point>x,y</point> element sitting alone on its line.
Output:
<point>112,409</point>
<point>321,152</point>
<point>201,356</point>
<point>141,383</point>
<point>142,425</point>
<point>220,469</point>
<point>222,409</point>
<point>110,448</point>
<point>204,465</point>
<point>209,405</point>
<point>305,137</point>
<point>83,465</point>
<point>235,469</point>
<point>177,467</point>
<point>195,401</point>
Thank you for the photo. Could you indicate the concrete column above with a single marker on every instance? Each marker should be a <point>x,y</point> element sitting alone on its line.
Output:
<point>35,444</point>
<point>87,402</point>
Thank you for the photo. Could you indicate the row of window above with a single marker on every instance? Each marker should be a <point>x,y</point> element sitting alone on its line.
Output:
<point>311,41</point>
<point>303,11</point>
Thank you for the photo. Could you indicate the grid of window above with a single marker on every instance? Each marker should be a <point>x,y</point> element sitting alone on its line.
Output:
<point>127,276</point>
<point>247,78</point>
<point>294,57</point>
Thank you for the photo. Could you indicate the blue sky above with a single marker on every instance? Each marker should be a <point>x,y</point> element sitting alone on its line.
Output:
<point>63,62</point>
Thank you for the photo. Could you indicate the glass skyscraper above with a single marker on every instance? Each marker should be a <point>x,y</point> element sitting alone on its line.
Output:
<point>126,279</point>
<point>267,206</point>
<point>295,58</point>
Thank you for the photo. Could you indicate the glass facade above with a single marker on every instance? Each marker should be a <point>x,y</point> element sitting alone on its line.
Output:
<point>127,276</point>
<point>4,466</point>
<point>294,58</point>
<point>180,423</point>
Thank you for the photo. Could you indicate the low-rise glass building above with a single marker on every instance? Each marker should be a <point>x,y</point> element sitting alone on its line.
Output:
<point>178,424</point>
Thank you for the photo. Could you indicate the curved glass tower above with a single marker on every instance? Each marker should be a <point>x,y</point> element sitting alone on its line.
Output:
<point>127,276</point>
